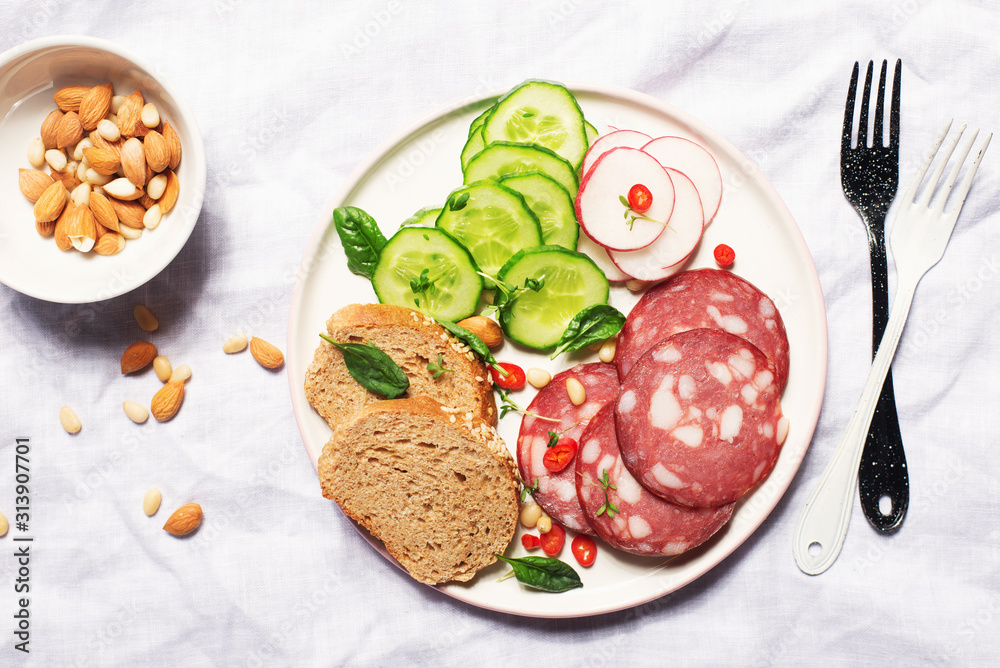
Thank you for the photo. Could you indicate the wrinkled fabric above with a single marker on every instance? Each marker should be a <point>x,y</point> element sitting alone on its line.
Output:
<point>291,98</point>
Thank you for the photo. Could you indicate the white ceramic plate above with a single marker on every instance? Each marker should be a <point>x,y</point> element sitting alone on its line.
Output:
<point>420,166</point>
<point>29,75</point>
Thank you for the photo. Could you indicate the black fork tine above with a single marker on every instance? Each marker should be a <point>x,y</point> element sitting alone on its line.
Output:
<point>880,107</point>
<point>894,111</point>
<point>866,96</point>
<point>852,91</point>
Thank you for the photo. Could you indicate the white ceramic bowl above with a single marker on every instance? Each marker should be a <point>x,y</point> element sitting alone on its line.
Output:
<point>29,75</point>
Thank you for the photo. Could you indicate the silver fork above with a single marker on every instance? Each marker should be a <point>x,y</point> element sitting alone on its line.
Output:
<point>919,236</point>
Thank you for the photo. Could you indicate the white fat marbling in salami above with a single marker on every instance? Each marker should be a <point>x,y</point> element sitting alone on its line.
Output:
<point>704,298</point>
<point>639,522</point>
<point>556,492</point>
<point>698,418</point>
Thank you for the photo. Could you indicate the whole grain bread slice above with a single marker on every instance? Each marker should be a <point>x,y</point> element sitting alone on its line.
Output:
<point>438,490</point>
<point>412,340</point>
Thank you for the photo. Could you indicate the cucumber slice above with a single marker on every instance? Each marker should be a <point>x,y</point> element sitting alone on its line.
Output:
<point>542,113</point>
<point>472,147</point>
<point>551,204</point>
<point>449,289</point>
<point>491,221</point>
<point>572,283</point>
<point>592,132</point>
<point>478,121</point>
<point>425,217</point>
<point>502,158</point>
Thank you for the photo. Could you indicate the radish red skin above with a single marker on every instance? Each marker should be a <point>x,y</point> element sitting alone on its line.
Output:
<point>614,139</point>
<point>694,161</point>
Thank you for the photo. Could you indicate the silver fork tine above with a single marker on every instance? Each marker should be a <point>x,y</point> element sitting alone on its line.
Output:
<point>865,97</point>
<point>925,197</point>
<point>911,192</point>
<point>963,190</point>
<point>880,107</point>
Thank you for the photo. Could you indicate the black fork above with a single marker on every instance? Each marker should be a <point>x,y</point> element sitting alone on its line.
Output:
<point>870,178</point>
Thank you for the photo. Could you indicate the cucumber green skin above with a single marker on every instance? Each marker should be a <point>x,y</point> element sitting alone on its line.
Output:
<point>542,192</point>
<point>574,144</point>
<point>473,147</point>
<point>590,281</point>
<point>501,158</point>
<point>458,291</point>
<point>592,132</point>
<point>423,218</point>
<point>527,232</point>
<point>478,121</point>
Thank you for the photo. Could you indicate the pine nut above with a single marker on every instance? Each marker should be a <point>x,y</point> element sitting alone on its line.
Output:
<point>80,145</point>
<point>576,391</point>
<point>56,159</point>
<point>147,321</point>
<point>81,171</point>
<point>151,502</point>
<point>156,186</point>
<point>538,378</point>
<point>81,195</point>
<point>181,373</point>
<point>161,365</point>
<point>116,103</point>
<point>130,232</point>
<point>135,411</point>
<point>152,217</point>
<point>607,351</point>
<point>95,179</point>
<point>36,152</point>
<point>69,419</point>
<point>149,116</point>
<point>530,515</point>
<point>635,285</point>
<point>109,130</point>
<point>544,524</point>
<point>235,343</point>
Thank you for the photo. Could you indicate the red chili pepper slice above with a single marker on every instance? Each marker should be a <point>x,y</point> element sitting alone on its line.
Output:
<point>514,380</point>
<point>724,255</point>
<point>584,549</point>
<point>552,540</point>
<point>530,541</point>
<point>639,198</point>
<point>560,455</point>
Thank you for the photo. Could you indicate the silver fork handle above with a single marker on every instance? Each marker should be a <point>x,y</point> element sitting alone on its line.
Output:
<point>822,526</point>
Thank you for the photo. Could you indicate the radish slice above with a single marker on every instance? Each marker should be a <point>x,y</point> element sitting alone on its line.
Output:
<point>601,257</point>
<point>603,216</point>
<point>606,142</point>
<point>696,163</point>
<point>667,255</point>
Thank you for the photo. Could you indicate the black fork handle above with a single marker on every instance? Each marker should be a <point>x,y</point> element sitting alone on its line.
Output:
<point>883,463</point>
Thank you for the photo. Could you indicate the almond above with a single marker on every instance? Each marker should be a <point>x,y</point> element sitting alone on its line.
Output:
<point>100,141</point>
<point>170,192</point>
<point>266,354</point>
<point>102,160</point>
<point>32,183</point>
<point>45,228</point>
<point>134,162</point>
<point>128,114</point>
<point>51,202</point>
<point>129,214</point>
<point>95,106</point>
<point>184,520</point>
<point>138,356</point>
<point>69,97</point>
<point>82,229</point>
<point>109,244</point>
<point>49,125</point>
<point>167,400</point>
<point>103,212</point>
<point>157,151</point>
<point>59,228</point>
<point>485,328</point>
<point>69,131</point>
<point>173,143</point>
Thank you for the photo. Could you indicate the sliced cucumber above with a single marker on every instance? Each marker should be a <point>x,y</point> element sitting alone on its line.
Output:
<point>502,158</point>
<point>592,132</point>
<point>449,289</point>
<point>571,283</point>
<point>542,113</point>
<point>491,221</point>
<point>478,121</point>
<point>472,147</point>
<point>425,217</point>
<point>550,203</point>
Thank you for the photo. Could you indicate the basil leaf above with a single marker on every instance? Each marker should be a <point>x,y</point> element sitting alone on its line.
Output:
<point>473,341</point>
<point>361,237</point>
<point>592,324</point>
<point>372,368</point>
<point>543,573</point>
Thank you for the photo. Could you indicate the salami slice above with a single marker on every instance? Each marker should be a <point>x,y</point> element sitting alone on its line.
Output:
<point>630,517</point>
<point>704,298</point>
<point>556,492</point>
<point>698,418</point>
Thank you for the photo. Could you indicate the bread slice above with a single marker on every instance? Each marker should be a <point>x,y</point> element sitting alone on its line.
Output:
<point>438,490</point>
<point>412,340</point>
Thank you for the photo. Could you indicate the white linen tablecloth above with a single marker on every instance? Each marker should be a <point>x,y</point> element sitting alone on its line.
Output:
<point>290,98</point>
